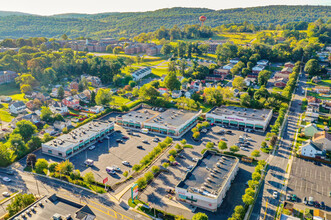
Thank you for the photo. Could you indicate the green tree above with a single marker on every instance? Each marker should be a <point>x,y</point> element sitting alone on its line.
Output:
<point>52,167</point>
<point>312,67</point>
<point>245,100</point>
<point>31,160</point>
<point>196,135</point>
<point>26,129</point>
<point>142,183</point>
<point>149,176</point>
<point>222,145</point>
<point>256,176</point>
<point>172,152</point>
<point>238,83</point>
<point>155,169</point>
<point>247,199</point>
<point>171,81</point>
<point>60,92</point>
<point>19,202</point>
<point>200,216</point>
<point>263,77</point>
<point>136,167</point>
<point>171,159</point>
<point>148,92</point>
<point>64,37</point>
<point>46,114</point>
<point>65,167</point>
<point>213,96</point>
<point>165,165</point>
<point>117,50</point>
<point>41,165</point>
<point>256,154</point>
<point>234,149</point>
<point>263,144</point>
<point>103,97</point>
<point>89,177</point>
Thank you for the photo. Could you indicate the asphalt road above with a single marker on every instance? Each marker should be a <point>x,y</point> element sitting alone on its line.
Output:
<point>266,205</point>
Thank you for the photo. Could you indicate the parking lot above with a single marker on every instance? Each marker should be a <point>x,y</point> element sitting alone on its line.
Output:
<point>308,179</point>
<point>157,195</point>
<point>233,139</point>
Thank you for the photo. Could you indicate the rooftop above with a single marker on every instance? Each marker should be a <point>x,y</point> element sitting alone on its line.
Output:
<point>56,206</point>
<point>172,118</point>
<point>209,174</point>
<point>249,113</point>
<point>79,134</point>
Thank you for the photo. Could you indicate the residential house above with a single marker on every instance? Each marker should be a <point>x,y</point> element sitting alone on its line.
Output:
<point>94,80</point>
<point>30,105</point>
<point>59,108</point>
<point>74,85</point>
<point>81,97</point>
<point>279,75</point>
<point>71,102</point>
<point>218,75</point>
<point>323,138</point>
<point>59,125</point>
<point>50,130</point>
<point>321,89</point>
<point>88,94</point>
<point>316,79</point>
<point>5,99</point>
<point>287,70</point>
<point>311,114</point>
<point>188,94</point>
<point>33,117</point>
<point>228,66</point>
<point>310,149</point>
<point>7,76</point>
<point>234,60</point>
<point>313,101</point>
<point>263,62</point>
<point>176,94</point>
<point>97,109</point>
<point>257,68</point>
<point>196,85</point>
<point>54,92</point>
<point>141,73</point>
<point>152,51</point>
<point>163,91</point>
<point>310,130</point>
<point>280,83</point>
<point>289,64</point>
<point>17,107</point>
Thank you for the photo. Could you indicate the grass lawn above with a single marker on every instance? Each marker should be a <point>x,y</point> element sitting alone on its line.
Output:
<point>276,89</point>
<point>237,38</point>
<point>4,113</point>
<point>9,89</point>
<point>118,100</point>
<point>19,97</point>
<point>160,71</point>
<point>128,70</point>
<point>317,95</point>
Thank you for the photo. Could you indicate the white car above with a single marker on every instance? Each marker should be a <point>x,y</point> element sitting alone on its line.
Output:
<point>6,194</point>
<point>195,159</point>
<point>275,194</point>
<point>116,168</point>
<point>126,163</point>
<point>244,148</point>
<point>92,147</point>
<point>6,179</point>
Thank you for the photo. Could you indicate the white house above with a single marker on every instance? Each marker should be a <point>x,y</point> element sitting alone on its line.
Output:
<point>234,60</point>
<point>59,108</point>
<point>228,66</point>
<point>310,149</point>
<point>141,73</point>
<point>176,94</point>
<point>17,107</point>
<point>263,62</point>
<point>97,109</point>
<point>62,124</point>
<point>258,68</point>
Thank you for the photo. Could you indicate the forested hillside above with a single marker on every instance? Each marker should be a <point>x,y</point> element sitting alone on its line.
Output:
<point>131,24</point>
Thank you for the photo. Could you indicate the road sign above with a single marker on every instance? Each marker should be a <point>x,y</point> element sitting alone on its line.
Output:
<point>134,191</point>
<point>105,180</point>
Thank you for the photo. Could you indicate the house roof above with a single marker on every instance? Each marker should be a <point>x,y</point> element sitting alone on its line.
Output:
<point>18,104</point>
<point>321,135</point>
<point>311,143</point>
<point>311,125</point>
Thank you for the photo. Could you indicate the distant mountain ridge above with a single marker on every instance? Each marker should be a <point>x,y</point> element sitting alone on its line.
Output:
<point>128,24</point>
<point>11,13</point>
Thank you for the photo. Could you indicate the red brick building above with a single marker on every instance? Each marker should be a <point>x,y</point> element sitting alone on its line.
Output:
<point>7,76</point>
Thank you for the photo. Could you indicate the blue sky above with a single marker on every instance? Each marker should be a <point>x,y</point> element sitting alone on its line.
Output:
<point>47,7</point>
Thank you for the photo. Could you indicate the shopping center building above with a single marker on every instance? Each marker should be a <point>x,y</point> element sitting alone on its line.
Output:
<point>77,140</point>
<point>257,119</point>
<point>170,122</point>
<point>205,186</point>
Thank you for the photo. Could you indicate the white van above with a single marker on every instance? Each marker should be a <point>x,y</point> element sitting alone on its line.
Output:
<point>144,130</point>
<point>89,162</point>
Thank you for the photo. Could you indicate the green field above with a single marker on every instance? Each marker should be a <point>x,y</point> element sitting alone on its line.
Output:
<point>4,113</point>
<point>160,71</point>
<point>9,89</point>
<point>118,100</point>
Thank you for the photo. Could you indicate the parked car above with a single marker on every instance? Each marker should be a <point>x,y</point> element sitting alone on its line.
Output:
<point>118,131</point>
<point>92,147</point>
<point>305,200</point>
<point>288,197</point>
<point>311,201</point>
<point>275,194</point>
<point>140,147</point>
<point>8,172</point>
<point>89,162</point>
<point>223,139</point>
<point>228,132</point>
<point>156,140</point>
<point>175,163</point>
<point>190,167</point>
<point>6,179</point>
<point>323,205</point>
<point>195,159</point>
<point>145,141</point>
<point>126,163</point>
<point>116,168</point>
<point>294,198</point>
<point>125,137</point>
<point>6,194</point>
<point>119,141</point>
<point>204,130</point>
<point>317,205</point>
<point>170,190</point>
<point>100,141</point>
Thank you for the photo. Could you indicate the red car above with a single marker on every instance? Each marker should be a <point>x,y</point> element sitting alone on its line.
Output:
<point>100,141</point>
<point>125,137</point>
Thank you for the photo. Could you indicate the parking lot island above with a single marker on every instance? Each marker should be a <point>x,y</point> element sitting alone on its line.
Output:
<point>206,184</point>
<point>165,122</point>
<point>70,144</point>
<point>242,118</point>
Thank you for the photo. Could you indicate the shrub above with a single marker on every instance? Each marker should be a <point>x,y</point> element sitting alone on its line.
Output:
<point>126,173</point>
<point>41,166</point>
<point>155,169</point>
<point>149,176</point>
<point>171,159</point>
<point>183,141</point>
<point>172,152</point>
<point>142,183</point>
<point>165,165</point>
<point>52,166</point>
<point>136,167</point>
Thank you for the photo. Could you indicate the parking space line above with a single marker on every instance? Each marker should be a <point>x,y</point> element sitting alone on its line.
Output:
<point>311,188</point>
<point>316,188</point>
<point>295,185</point>
<point>315,174</point>
<point>301,186</point>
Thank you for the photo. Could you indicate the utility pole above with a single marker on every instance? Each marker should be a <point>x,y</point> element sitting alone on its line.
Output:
<point>36,182</point>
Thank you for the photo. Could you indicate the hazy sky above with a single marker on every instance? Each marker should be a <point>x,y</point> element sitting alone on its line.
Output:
<point>47,7</point>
